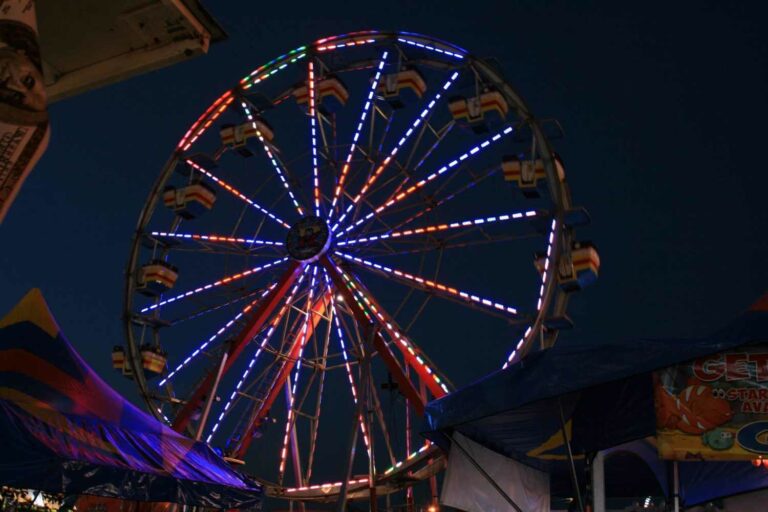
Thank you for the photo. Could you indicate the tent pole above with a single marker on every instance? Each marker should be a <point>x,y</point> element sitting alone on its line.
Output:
<point>675,487</point>
<point>598,482</point>
<point>488,477</point>
<point>574,477</point>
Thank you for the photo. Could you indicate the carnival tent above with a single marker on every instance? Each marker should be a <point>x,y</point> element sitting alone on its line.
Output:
<point>64,430</point>
<point>602,394</point>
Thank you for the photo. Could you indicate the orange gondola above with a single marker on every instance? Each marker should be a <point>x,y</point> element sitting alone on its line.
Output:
<point>399,88</point>
<point>118,357</point>
<point>190,201</point>
<point>529,175</point>
<point>156,277</point>
<point>153,360</point>
<point>331,93</point>
<point>479,109</point>
<point>237,137</point>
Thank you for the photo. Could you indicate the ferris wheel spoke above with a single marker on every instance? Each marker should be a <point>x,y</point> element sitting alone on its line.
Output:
<point>253,326</point>
<point>320,367</point>
<point>347,365</point>
<point>282,174</point>
<point>406,173</point>
<point>369,100</point>
<point>291,394</point>
<point>432,286</point>
<point>232,190</point>
<point>223,281</point>
<point>215,335</point>
<point>210,309</point>
<point>250,243</point>
<point>290,360</point>
<point>371,334</point>
<point>415,357</point>
<point>451,196</point>
<point>443,245</point>
<point>313,135</point>
<point>393,152</point>
<point>264,342</point>
<point>440,136</point>
<point>470,223</point>
<point>452,165</point>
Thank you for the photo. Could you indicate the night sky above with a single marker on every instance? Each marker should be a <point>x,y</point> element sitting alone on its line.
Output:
<point>663,104</point>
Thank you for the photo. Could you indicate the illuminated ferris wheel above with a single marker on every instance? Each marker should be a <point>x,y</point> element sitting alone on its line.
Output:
<point>353,229</point>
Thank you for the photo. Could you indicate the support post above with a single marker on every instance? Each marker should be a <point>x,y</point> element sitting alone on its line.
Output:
<point>574,476</point>
<point>675,487</point>
<point>211,397</point>
<point>598,482</point>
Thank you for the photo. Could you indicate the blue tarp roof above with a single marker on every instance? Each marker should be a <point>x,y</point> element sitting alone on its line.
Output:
<point>606,394</point>
<point>64,430</point>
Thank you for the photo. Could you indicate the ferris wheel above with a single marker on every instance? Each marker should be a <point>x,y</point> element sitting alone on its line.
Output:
<point>355,228</point>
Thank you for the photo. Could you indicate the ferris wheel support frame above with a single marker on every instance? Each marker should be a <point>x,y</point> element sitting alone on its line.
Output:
<point>257,321</point>
<point>317,310</point>
<point>377,332</point>
<point>370,332</point>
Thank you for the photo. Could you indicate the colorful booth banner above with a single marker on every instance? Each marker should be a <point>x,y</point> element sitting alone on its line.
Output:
<point>714,408</point>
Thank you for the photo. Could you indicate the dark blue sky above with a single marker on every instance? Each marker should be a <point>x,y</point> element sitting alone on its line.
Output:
<point>664,107</point>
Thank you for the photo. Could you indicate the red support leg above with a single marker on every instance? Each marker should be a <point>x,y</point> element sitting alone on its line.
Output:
<point>389,325</point>
<point>260,316</point>
<point>404,383</point>
<point>318,310</point>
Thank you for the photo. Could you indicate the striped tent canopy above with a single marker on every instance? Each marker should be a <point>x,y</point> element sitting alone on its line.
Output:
<point>64,430</point>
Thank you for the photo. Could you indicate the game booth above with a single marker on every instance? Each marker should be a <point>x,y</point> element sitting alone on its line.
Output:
<point>67,434</point>
<point>682,423</point>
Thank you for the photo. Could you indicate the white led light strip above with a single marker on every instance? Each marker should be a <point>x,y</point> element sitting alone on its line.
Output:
<point>427,283</point>
<point>272,159</point>
<point>440,227</point>
<point>413,188</point>
<point>220,282</point>
<point>229,188</point>
<point>218,333</point>
<point>363,116</point>
<point>416,122</point>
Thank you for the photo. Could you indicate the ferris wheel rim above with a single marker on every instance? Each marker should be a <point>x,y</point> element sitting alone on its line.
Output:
<point>232,94</point>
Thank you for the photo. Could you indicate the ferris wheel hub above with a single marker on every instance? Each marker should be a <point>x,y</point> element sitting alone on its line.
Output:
<point>308,239</point>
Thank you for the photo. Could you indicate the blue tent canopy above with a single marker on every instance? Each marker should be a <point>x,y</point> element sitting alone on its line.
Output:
<point>65,430</point>
<point>605,392</point>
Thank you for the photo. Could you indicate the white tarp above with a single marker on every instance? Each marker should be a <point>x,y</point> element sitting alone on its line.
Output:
<point>465,488</point>
<point>747,502</point>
